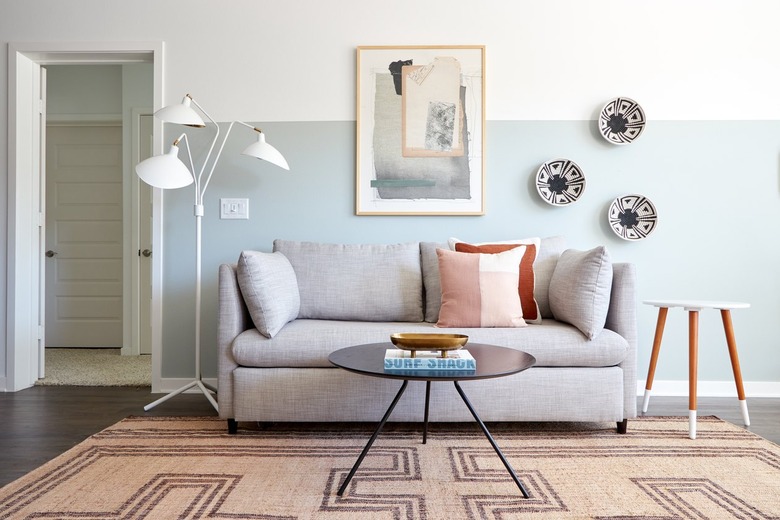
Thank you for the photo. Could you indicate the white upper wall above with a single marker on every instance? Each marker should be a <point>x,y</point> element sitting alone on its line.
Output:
<point>546,60</point>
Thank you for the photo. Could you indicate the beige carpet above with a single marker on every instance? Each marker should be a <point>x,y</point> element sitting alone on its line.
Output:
<point>95,367</point>
<point>165,468</point>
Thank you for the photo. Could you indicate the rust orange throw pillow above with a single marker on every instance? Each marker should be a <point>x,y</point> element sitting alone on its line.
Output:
<point>526,283</point>
<point>480,290</point>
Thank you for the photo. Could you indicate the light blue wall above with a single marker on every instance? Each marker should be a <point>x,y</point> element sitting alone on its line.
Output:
<point>715,185</point>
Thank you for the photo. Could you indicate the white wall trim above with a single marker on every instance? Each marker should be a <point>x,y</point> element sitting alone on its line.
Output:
<point>167,385</point>
<point>711,388</point>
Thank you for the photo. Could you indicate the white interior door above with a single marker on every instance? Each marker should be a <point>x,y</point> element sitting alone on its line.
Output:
<point>84,236</point>
<point>145,195</point>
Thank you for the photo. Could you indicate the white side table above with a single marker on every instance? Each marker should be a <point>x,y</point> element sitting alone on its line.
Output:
<point>693,307</point>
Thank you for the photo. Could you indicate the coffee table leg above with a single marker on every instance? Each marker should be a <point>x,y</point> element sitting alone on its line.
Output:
<point>492,441</point>
<point>427,401</point>
<point>373,438</point>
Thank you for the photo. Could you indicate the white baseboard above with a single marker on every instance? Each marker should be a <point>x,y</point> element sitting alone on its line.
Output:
<point>711,388</point>
<point>169,384</point>
<point>3,388</point>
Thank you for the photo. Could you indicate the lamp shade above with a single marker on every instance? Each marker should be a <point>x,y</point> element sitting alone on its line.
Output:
<point>266,152</point>
<point>165,171</point>
<point>181,113</point>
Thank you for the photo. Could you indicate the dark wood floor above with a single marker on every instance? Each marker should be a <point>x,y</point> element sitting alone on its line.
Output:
<point>39,423</point>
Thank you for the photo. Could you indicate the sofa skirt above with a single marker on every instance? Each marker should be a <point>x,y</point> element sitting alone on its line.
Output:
<point>333,394</point>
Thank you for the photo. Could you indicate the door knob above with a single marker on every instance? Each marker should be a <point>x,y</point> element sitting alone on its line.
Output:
<point>147,253</point>
<point>50,253</point>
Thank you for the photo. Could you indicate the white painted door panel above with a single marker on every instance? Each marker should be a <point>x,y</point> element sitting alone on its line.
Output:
<point>84,233</point>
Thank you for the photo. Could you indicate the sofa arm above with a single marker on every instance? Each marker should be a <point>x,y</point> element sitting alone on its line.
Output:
<point>233,319</point>
<point>621,318</point>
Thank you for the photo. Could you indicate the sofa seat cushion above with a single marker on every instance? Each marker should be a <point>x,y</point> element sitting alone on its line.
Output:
<point>307,343</point>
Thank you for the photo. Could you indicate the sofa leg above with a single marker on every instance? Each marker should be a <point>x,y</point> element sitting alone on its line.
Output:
<point>622,426</point>
<point>232,426</point>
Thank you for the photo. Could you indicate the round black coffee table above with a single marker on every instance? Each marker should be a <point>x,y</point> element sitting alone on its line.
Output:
<point>491,360</point>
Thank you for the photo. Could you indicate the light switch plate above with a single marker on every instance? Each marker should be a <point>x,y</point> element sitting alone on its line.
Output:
<point>234,209</point>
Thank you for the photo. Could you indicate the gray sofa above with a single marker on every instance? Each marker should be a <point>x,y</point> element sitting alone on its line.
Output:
<point>354,294</point>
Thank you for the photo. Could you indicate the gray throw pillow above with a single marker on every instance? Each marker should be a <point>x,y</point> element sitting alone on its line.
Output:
<point>580,289</point>
<point>270,290</point>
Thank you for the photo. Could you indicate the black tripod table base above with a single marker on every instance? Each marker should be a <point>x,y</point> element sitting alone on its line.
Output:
<point>425,435</point>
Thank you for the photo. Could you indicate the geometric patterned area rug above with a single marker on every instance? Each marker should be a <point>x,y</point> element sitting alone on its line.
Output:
<point>166,468</point>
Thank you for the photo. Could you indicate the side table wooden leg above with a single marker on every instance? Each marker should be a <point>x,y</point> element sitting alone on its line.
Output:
<point>693,360</point>
<point>732,343</point>
<point>659,332</point>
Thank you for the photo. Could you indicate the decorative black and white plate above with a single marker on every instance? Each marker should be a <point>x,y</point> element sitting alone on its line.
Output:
<point>632,217</point>
<point>621,121</point>
<point>560,182</point>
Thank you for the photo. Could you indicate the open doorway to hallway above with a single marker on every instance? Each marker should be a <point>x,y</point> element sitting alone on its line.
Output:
<point>25,309</point>
<point>94,136</point>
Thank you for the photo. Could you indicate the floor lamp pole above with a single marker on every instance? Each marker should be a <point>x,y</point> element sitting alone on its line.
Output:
<point>166,171</point>
<point>206,389</point>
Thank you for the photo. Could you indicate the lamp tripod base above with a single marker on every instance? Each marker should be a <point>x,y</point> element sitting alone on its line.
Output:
<point>206,389</point>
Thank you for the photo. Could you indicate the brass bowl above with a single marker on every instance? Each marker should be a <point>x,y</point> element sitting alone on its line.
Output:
<point>421,341</point>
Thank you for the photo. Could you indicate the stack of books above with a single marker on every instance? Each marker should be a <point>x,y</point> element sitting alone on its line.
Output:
<point>430,361</point>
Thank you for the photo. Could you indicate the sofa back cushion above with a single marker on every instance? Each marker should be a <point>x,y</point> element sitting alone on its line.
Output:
<point>550,250</point>
<point>362,282</point>
<point>431,279</point>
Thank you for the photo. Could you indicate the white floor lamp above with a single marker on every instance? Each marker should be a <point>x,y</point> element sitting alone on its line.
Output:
<point>167,171</point>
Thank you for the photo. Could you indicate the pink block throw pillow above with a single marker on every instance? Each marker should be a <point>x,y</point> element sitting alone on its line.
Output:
<point>480,290</point>
<point>527,278</point>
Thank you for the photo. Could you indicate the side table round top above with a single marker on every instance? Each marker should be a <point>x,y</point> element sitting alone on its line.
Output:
<point>492,361</point>
<point>697,304</point>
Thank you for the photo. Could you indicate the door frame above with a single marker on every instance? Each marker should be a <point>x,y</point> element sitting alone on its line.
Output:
<point>24,328</point>
<point>132,286</point>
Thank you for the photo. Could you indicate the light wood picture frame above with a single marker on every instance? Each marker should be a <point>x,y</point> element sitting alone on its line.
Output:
<point>420,130</point>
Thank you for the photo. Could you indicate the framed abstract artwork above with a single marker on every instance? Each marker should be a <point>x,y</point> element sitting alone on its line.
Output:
<point>420,130</point>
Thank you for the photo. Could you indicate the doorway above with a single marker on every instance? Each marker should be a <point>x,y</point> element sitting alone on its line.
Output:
<point>25,311</point>
<point>93,116</point>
